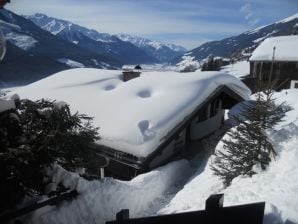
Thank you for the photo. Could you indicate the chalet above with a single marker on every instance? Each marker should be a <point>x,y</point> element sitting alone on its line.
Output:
<point>276,58</point>
<point>147,121</point>
<point>165,119</point>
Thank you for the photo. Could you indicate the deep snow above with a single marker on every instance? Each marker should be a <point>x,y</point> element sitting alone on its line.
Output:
<point>286,48</point>
<point>134,116</point>
<point>277,186</point>
<point>99,201</point>
<point>148,194</point>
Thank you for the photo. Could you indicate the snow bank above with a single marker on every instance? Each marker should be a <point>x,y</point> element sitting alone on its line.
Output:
<point>277,186</point>
<point>286,49</point>
<point>133,116</point>
<point>238,69</point>
<point>99,201</point>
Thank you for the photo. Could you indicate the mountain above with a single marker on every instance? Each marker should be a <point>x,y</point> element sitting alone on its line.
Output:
<point>163,52</point>
<point>33,53</point>
<point>243,44</point>
<point>92,40</point>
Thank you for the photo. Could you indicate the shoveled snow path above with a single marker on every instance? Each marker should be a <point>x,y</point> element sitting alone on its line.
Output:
<point>145,195</point>
<point>99,201</point>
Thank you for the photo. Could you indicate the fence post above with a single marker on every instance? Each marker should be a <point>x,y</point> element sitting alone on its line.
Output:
<point>122,215</point>
<point>214,202</point>
<point>212,208</point>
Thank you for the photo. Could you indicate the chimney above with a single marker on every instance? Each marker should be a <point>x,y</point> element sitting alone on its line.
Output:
<point>129,74</point>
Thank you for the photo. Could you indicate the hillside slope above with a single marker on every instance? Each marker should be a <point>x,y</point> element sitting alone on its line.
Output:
<point>33,53</point>
<point>243,44</point>
<point>102,43</point>
<point>277,185</point>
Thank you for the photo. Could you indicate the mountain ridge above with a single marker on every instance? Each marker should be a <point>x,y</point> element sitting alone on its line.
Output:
<point>28,44</point>
<point>240,46</point>
<point>163,52</point>
<point>92,40</point>
<point>155,51</point>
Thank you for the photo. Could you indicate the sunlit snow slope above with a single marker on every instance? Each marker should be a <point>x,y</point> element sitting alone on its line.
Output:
<point>277,186</point>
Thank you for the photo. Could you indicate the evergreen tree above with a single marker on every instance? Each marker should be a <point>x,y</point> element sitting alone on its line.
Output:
<point>32,137</point>
<point>248,144</point>
<point>211,64</point>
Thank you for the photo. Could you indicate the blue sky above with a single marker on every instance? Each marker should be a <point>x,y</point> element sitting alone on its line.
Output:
<point>185,22</point>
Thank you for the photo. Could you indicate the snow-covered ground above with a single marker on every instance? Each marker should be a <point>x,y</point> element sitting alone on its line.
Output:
<point>188,61</point>
<point>277,186</point>
<point>151,193</point>
<point>238,69</point>
<point>156,192</point>
<point>99,201</point>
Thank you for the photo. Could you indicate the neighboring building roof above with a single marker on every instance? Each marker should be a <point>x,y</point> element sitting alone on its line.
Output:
<point>286,49</point>
<point>134,116</point>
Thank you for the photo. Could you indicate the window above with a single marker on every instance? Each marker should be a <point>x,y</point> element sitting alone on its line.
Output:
<point>203,114</point>
<point>294,84</point>
<point>215,107</point>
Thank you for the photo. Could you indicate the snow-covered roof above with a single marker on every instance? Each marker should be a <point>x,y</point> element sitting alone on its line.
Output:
<point>134,116</point>
<point>286,49</point>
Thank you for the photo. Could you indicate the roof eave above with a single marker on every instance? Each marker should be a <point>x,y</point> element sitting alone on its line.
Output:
<point>270,60</point>
<point>186,121</point>
<point>116,155</point>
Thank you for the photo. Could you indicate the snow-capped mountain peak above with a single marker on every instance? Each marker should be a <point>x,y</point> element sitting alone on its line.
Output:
<point>55,26</point>
<point>164,52</point>
<point>242,45</point>
<point>150,51</point>
<point>141,42</point>
<point>176,47</point>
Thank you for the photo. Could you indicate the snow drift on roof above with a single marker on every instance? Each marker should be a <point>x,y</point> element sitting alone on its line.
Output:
<point>286,49</point>
<point>134,116</point>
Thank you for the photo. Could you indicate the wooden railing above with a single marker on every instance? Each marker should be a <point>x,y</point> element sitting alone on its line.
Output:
<point>214,213</point>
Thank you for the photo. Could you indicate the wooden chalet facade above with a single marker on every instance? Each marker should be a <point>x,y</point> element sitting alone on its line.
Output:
<point>276,59</point>
<point>201,122</point>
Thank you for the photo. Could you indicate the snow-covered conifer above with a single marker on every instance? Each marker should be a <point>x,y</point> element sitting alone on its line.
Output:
<point>248,145</point>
